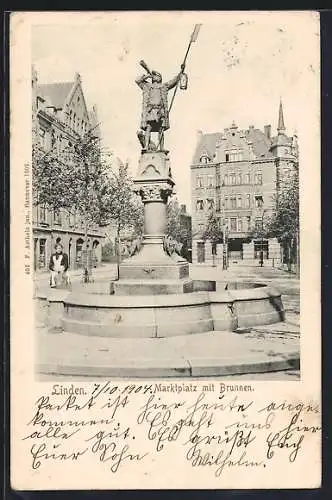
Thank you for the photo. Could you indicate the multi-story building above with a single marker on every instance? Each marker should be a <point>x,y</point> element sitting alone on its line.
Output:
<point>59,113</point>
<point>236,173</point>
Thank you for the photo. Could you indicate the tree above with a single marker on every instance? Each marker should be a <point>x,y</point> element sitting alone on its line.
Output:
<point>285,221</point>
<point>213,232</point>
<point>70,180</point>
<point>177,226</point>
<point>121,208</point>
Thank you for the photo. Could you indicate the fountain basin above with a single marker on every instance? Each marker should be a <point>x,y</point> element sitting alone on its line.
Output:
<point>242,304</point>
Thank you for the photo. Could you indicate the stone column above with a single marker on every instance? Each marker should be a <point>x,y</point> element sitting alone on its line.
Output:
<point>148,270</point>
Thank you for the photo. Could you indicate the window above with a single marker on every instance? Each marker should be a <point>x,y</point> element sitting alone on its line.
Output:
<point>218,205</point>
<point>204,159</point>
<point>233,224</point>
<point>199,182</point>
<point>199,205</point>
<point>258,178</point>
<point>218,180</point>
<point>227,223</point>
<point>232,179</point>
<point>42,253</point>
<point>226,202</point>
<point>233,202</point>
<point>210,204</point>
<point>258,201</point>
<point>42,214</point>
<point>239,179</point>
<point>239,226</point>
<point>247,201</point>
<point>234,155</point>
<point>210,181</point>
<point>57,217</point>
<point>226,180</point>
<point>247,178</point>
<point>248,223</point>
<point>72,220</point>
<point>239,202</point>
<point>79,252</point>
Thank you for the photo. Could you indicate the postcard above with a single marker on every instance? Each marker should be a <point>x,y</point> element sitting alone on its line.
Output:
<point>165,250</point>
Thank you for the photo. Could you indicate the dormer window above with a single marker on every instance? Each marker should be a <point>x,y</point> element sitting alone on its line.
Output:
<point>204,159</point>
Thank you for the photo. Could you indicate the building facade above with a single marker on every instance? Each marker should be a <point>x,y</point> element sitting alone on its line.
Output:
<point>236,173</point>
<point>59,113</point>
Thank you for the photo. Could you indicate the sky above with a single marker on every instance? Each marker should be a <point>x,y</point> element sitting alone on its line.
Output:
<point>238,69</point>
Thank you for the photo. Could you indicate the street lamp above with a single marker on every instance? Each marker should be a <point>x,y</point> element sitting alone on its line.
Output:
<point>224,247</point>
<point>224,240</point>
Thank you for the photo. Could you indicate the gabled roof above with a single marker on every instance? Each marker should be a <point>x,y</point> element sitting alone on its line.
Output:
<point>55,93</point>
<point>207,145</point>
<point>260,143</point>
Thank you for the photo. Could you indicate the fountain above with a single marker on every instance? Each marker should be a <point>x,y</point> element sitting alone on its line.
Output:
<point>154,296</point>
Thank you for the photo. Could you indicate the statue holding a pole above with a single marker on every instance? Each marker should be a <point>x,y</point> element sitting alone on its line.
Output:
<point>155,110</point>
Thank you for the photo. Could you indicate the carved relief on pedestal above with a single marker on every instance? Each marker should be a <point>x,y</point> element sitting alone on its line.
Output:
<point>154,192</point>
<point>154,165</point>
<point>150,171</point>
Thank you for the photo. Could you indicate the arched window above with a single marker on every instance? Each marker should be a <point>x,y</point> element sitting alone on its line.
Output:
<point>204,159</point>
<point>79,252</point>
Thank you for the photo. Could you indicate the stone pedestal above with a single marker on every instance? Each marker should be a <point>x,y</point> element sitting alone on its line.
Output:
<point>152,271</point>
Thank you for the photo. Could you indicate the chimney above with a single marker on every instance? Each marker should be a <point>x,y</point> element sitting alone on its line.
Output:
<point>267,131</point>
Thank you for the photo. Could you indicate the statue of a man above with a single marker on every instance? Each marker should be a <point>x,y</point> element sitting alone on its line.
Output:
<point>155,116</point>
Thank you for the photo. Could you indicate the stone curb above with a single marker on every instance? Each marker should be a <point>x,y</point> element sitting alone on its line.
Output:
<point>195,367</point>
